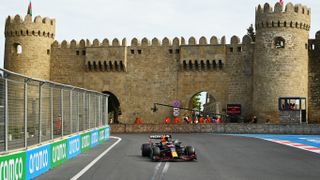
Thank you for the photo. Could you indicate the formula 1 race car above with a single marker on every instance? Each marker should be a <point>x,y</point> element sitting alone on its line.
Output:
<point>167,149</point>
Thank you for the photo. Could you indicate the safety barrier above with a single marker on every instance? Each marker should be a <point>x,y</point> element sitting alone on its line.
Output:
<point>223,128</point>
<point>34,111</point>
<point>33,162</point>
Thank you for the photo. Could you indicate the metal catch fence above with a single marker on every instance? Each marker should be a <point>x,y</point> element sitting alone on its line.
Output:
<point>33,111</point>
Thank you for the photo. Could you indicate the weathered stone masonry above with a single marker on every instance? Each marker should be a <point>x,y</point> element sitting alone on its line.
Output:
<point>253,74</point>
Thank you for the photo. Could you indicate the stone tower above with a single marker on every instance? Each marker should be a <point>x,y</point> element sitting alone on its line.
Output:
<point>28,45</point>
<point>280,58</point>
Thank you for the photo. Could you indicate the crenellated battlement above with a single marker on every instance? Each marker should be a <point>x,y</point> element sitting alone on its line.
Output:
<point>290,8</point>
<point>43,27</point>
<point>145,42</point>
<point>87,43</point>
<point>111,56</point>
<point>314,45</point>
<point>281,61</point>
<point>293,16</point>
<point>318,35</point>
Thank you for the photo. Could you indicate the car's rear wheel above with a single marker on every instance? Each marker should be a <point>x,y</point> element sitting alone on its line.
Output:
<point>146,149</point>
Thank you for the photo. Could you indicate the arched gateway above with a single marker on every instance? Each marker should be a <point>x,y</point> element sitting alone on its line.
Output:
<point>254,75</point>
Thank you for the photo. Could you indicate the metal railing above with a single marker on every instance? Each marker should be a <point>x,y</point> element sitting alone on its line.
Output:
<point>33,111</point>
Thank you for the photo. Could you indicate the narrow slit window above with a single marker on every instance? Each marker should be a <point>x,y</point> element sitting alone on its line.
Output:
<point>220,63</point>
<point>279,42</point>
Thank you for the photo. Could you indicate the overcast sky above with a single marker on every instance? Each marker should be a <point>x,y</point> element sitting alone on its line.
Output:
<point>90,19</point>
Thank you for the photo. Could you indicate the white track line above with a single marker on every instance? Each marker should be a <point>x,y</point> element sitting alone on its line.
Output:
<point>84,170</point>
<point>155,172</point>
<point>165,169</point>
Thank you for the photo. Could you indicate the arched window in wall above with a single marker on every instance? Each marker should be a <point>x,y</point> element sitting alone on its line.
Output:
<point>279,42</point>
<point>17,48</point>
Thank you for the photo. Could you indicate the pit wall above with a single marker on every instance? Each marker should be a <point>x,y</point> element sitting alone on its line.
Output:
<point>36,161</point>
<point>218,128</point>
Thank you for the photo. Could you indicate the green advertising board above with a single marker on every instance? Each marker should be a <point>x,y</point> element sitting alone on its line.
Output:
<point>59,151</point>
<point>85,141</point>
<point>101,135</point>
<point>13,166</point>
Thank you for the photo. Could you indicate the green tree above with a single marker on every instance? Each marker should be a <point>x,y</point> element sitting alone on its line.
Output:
<point>196,101</point>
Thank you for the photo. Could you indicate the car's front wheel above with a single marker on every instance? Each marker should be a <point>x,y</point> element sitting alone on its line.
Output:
<point>145,150</point>
<point>155,152</point>
<point>190,150</point>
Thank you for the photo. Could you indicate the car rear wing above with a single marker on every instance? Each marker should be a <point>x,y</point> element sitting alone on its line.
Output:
<point>159,136</point>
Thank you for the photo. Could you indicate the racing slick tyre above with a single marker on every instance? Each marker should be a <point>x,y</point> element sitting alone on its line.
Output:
<point>189,150</point>
<point>154,153</point>
<point>146,149</point>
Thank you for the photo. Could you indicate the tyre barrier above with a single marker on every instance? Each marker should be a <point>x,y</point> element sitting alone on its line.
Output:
<point>36,161</point>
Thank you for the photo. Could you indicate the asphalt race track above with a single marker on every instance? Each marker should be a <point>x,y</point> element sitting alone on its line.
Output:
<point>220,157</point>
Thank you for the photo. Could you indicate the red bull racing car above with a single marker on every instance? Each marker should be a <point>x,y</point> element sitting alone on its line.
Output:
<point>167,149</point>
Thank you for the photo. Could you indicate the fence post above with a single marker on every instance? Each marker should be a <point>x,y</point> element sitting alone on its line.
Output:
<point>78,111</point>
<point>89,95</point>
<point>84,111</point>
<point>25,113</point>
<point>71,110</point>
<point>61,106</point>
<point>6,122</point>
<point>95,110</point>
<point>51,111</point>
<point>99,111</point>
<point>40,110</point>
<point>106,111</point>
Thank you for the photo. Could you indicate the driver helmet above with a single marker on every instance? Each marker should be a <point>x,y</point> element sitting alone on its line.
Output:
<point>164,139</point>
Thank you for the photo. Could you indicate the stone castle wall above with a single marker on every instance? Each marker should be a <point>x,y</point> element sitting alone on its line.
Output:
<point>148,72</point>
<point>140,73</point>
<point>314,79</point>
<point>280,72</point>
<point>35,38</point>
<point>240,62</point>
<point>67,66</point>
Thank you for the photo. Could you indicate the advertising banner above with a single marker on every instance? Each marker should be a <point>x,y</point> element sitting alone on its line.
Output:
<point>74,146</point>
<point>38,161</point>
<point>85,141</point>
<point>13,166</point>
<point>94,138</point>
<point>58,153</point>
<point>234,109</point>
<point>101,135</point>
<point>107,133</point>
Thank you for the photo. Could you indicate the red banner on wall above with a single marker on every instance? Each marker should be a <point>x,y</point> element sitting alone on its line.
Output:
<point>234,109</point>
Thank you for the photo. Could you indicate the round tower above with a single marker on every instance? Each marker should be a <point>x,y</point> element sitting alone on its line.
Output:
<point>280,67</point>
<point>28,45</point>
